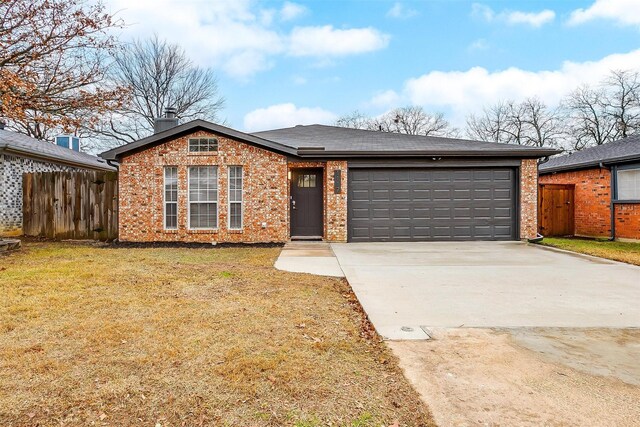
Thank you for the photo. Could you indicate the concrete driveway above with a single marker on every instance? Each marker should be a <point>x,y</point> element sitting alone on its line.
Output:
<point>406,288</point>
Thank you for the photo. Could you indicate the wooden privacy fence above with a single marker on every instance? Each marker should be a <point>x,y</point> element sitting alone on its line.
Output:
<point>70,205</point>
<point>556,210</point>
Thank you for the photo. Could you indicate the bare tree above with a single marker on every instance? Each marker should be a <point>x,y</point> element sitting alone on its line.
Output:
<point>588,118</point>
<point>53,60</point>
<point>493,125</point>
<point>622,100</point>
<point>529,122</point>
<point>411,120</point>
<point>354,120</point>
<point>159,75</point>
<point>540,126</point>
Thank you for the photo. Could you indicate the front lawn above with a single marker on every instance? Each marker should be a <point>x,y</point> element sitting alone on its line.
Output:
<point>617,251</point>
<point>187,337</point>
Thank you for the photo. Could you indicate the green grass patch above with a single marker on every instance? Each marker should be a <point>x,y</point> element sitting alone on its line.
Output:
<point>628,252</point>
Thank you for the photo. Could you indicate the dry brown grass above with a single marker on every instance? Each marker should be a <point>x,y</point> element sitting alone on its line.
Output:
<point>184,337</point>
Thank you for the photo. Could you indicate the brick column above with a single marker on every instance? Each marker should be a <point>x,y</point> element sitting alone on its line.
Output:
<point>528,198</point>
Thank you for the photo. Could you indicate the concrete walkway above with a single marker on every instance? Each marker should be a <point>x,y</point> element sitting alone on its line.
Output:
<point>309,257</point>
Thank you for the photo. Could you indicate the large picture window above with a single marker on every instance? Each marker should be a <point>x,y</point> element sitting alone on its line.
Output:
<point>628,181</point>
<point>203,197</point>
<point>170,198</point>
<point>235,197</point>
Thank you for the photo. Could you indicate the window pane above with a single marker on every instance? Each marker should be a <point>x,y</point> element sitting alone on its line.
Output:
<point>171,216</point>
<point>235,215</point>
<point>312,180</point>
<point>629,184</point>
<point>203,215</point>
<point>203,197</point>
<point>235,183</point>
<point>171,197</point>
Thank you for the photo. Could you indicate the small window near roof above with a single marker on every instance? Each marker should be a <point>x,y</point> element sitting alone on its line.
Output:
<point>203,145</point>
<point>628,181</point>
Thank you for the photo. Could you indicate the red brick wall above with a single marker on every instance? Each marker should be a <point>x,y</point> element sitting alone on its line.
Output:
<point>265,193</point>
<point>628,221</point>
<point>528,198</point>
<point>592,199</point>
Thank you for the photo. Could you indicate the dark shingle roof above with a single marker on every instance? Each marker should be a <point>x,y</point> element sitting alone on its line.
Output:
<point>346,141</point>
<point>627,149</point>
<point>318,141</point>
<point>26,146</point>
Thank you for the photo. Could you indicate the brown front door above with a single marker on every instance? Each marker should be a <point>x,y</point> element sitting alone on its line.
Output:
<point>556,210</point>
<point>306,203</point>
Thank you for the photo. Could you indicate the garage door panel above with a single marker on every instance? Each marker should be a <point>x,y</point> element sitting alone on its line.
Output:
<point>431,204</point>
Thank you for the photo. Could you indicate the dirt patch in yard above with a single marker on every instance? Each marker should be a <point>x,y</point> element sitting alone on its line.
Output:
<point>485,377</point>
<point>188,337</point>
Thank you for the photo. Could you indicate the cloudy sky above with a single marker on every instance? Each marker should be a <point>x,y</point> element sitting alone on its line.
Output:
<point>282,63</point>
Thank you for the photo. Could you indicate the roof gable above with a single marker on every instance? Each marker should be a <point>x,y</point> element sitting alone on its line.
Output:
<point>187,128</point>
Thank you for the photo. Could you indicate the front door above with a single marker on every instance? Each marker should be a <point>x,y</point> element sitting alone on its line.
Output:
<point>306,203</point>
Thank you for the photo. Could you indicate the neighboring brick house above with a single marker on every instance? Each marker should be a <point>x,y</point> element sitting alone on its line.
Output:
<point>21,154</point>
<point>605,186</point>
<point>201,182</point>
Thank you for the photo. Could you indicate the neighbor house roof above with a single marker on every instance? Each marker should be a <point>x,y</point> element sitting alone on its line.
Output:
<point>319,141</point>
<point>333,141</point>
<point>25,146</point>
<point>623,150</point>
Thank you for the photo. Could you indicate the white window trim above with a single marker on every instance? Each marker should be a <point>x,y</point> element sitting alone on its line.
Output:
<point>216,201</point>
<point>229,202</point>
<point>164,199</point>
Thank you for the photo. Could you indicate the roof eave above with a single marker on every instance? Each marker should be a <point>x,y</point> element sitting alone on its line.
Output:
<point>427,153</point>
<point>51,158</point>
<point>589,165</point>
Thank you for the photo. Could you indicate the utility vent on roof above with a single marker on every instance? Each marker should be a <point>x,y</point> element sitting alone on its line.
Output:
<point>68,141</point>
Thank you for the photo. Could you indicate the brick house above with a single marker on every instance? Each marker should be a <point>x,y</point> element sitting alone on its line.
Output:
<point>597,192</point>
<point>20,154</point>
<point>201,182</point>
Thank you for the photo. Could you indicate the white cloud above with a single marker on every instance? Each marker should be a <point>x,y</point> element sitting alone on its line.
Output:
<point>291,11</point>
<point>240,37</point>
<point>625,12</point>
<point>513,17</point>
<point>386,99</point>
<point>398,10</point>
<point>299,80</point>
<point>480,44</point>
<point>326,41</point>
<point>481,11</point>
<point>533,19</point>
<point>285,115</point>
<point>463,92</point>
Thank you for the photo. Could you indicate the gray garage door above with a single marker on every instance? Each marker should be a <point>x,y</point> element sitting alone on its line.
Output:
<point>431,204</point>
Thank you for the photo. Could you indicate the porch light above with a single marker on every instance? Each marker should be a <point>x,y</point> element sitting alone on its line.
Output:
<point>289,175</point>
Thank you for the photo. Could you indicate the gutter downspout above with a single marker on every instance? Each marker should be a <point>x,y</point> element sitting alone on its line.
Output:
<point>612,192</point>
